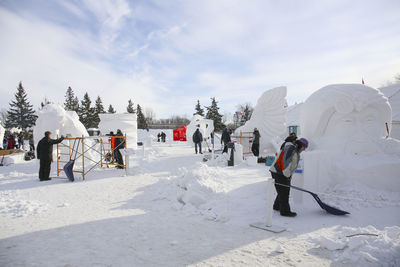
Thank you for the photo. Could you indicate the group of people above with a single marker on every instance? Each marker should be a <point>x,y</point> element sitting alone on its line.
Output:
<point>17,141</point>
<point>161,137</point>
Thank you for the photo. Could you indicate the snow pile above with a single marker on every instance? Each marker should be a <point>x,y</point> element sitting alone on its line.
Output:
<point>348,138</point>
<point>200,184</point>
<point>126,122</point>
<point>206,128</point>
<point>269,117</point>
<point>53,118</point>
<point>202,191</point>
<point>363,246</point>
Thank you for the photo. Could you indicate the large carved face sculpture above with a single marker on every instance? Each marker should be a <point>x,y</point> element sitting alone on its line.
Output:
<point>347,118</point>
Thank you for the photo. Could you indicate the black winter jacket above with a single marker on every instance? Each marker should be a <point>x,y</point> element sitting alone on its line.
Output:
<point>226,137</point>
<point>45,148</point>
<point>197,136</point>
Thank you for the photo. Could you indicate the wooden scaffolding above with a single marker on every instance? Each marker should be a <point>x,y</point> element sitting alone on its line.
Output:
<point>78,147</point>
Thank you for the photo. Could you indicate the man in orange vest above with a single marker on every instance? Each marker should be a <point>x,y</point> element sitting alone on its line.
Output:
<point>282,170</point>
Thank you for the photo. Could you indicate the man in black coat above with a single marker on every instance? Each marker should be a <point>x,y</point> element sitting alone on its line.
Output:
<point>255,147</point>
<point>225,138</point>
<point>197,139</point>
<point>119,144</point>
<point>45,154</point>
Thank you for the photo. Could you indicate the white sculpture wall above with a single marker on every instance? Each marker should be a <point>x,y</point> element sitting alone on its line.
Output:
<point>126,122</point>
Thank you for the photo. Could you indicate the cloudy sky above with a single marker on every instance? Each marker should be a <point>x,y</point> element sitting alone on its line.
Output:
<point>167,54</point>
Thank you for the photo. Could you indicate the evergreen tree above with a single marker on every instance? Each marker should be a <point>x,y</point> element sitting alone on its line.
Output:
<point>86,112</point>
<point>98,108</point>
<point>130,108</point>
<point>198,109</point>
<point>111,109</point>
<point>141,120</point>
<point>213,114</point>
<point>76,104</point>
<point>21,113</point>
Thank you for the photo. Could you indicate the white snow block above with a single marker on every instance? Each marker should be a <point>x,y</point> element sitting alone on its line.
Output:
<point>251,161</point>
<point>126,122</point>
<point>238,154</point>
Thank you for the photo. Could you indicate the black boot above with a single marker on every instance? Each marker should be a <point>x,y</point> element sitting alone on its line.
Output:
<point>288,214</point>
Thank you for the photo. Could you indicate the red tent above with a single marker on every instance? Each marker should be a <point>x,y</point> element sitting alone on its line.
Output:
<point>180,134</point>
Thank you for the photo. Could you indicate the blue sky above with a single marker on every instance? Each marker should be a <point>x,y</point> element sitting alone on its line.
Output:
<point>167,54</point>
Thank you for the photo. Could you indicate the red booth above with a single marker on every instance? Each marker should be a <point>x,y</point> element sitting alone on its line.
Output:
<point>180,134</point>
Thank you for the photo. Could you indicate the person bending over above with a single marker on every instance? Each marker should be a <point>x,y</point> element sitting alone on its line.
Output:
<point>282,170</point>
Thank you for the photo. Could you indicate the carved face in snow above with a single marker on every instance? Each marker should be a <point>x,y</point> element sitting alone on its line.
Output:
<point>346,118</point>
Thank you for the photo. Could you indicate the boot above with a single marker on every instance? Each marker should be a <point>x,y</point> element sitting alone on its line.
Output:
<point>288,214</point>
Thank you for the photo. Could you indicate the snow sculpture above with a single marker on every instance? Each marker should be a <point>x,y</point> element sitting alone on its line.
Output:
<point>53,118</point>
<point>126,122</point>
<point>392,92</point>
<point>269,117</point>
<point>346,127</point>
<point>206,128</point>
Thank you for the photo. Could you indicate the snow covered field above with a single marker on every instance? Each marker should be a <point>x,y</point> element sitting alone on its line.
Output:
<point>176,210</point>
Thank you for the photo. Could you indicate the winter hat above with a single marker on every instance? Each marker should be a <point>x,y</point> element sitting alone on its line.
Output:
<point>303,142</point>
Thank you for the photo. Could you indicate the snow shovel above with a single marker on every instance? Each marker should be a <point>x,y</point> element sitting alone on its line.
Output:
<point>69,166</point>
<point>324,206</point>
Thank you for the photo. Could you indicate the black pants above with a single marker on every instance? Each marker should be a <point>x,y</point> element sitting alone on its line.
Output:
<point>118,158</point>
<point>195,146</point>
<point>255,148</point>
<point>225,148</point>
<point>44,170</point>
<point>282,199</point>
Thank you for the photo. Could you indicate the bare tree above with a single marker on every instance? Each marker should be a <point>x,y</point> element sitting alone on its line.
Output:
<point>150,115</point>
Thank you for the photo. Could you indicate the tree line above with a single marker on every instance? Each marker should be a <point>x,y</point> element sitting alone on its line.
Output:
<point>21,113</point>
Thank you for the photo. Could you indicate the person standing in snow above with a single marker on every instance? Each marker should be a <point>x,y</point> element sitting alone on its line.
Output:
<point>31,142</point>
<point>45,154</point>
<point>119,144</point>
<point>163,137</point>
<point>21,140</point>
<point>282,170</point>
<point>255,147</point>
<point>197,139</point>
<point>158,137</point>
<point>291,138</point>
<point>225,139</point>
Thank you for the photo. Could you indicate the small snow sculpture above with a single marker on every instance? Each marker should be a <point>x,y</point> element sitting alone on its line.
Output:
<point>347,126</point>
<point>206,128</point>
